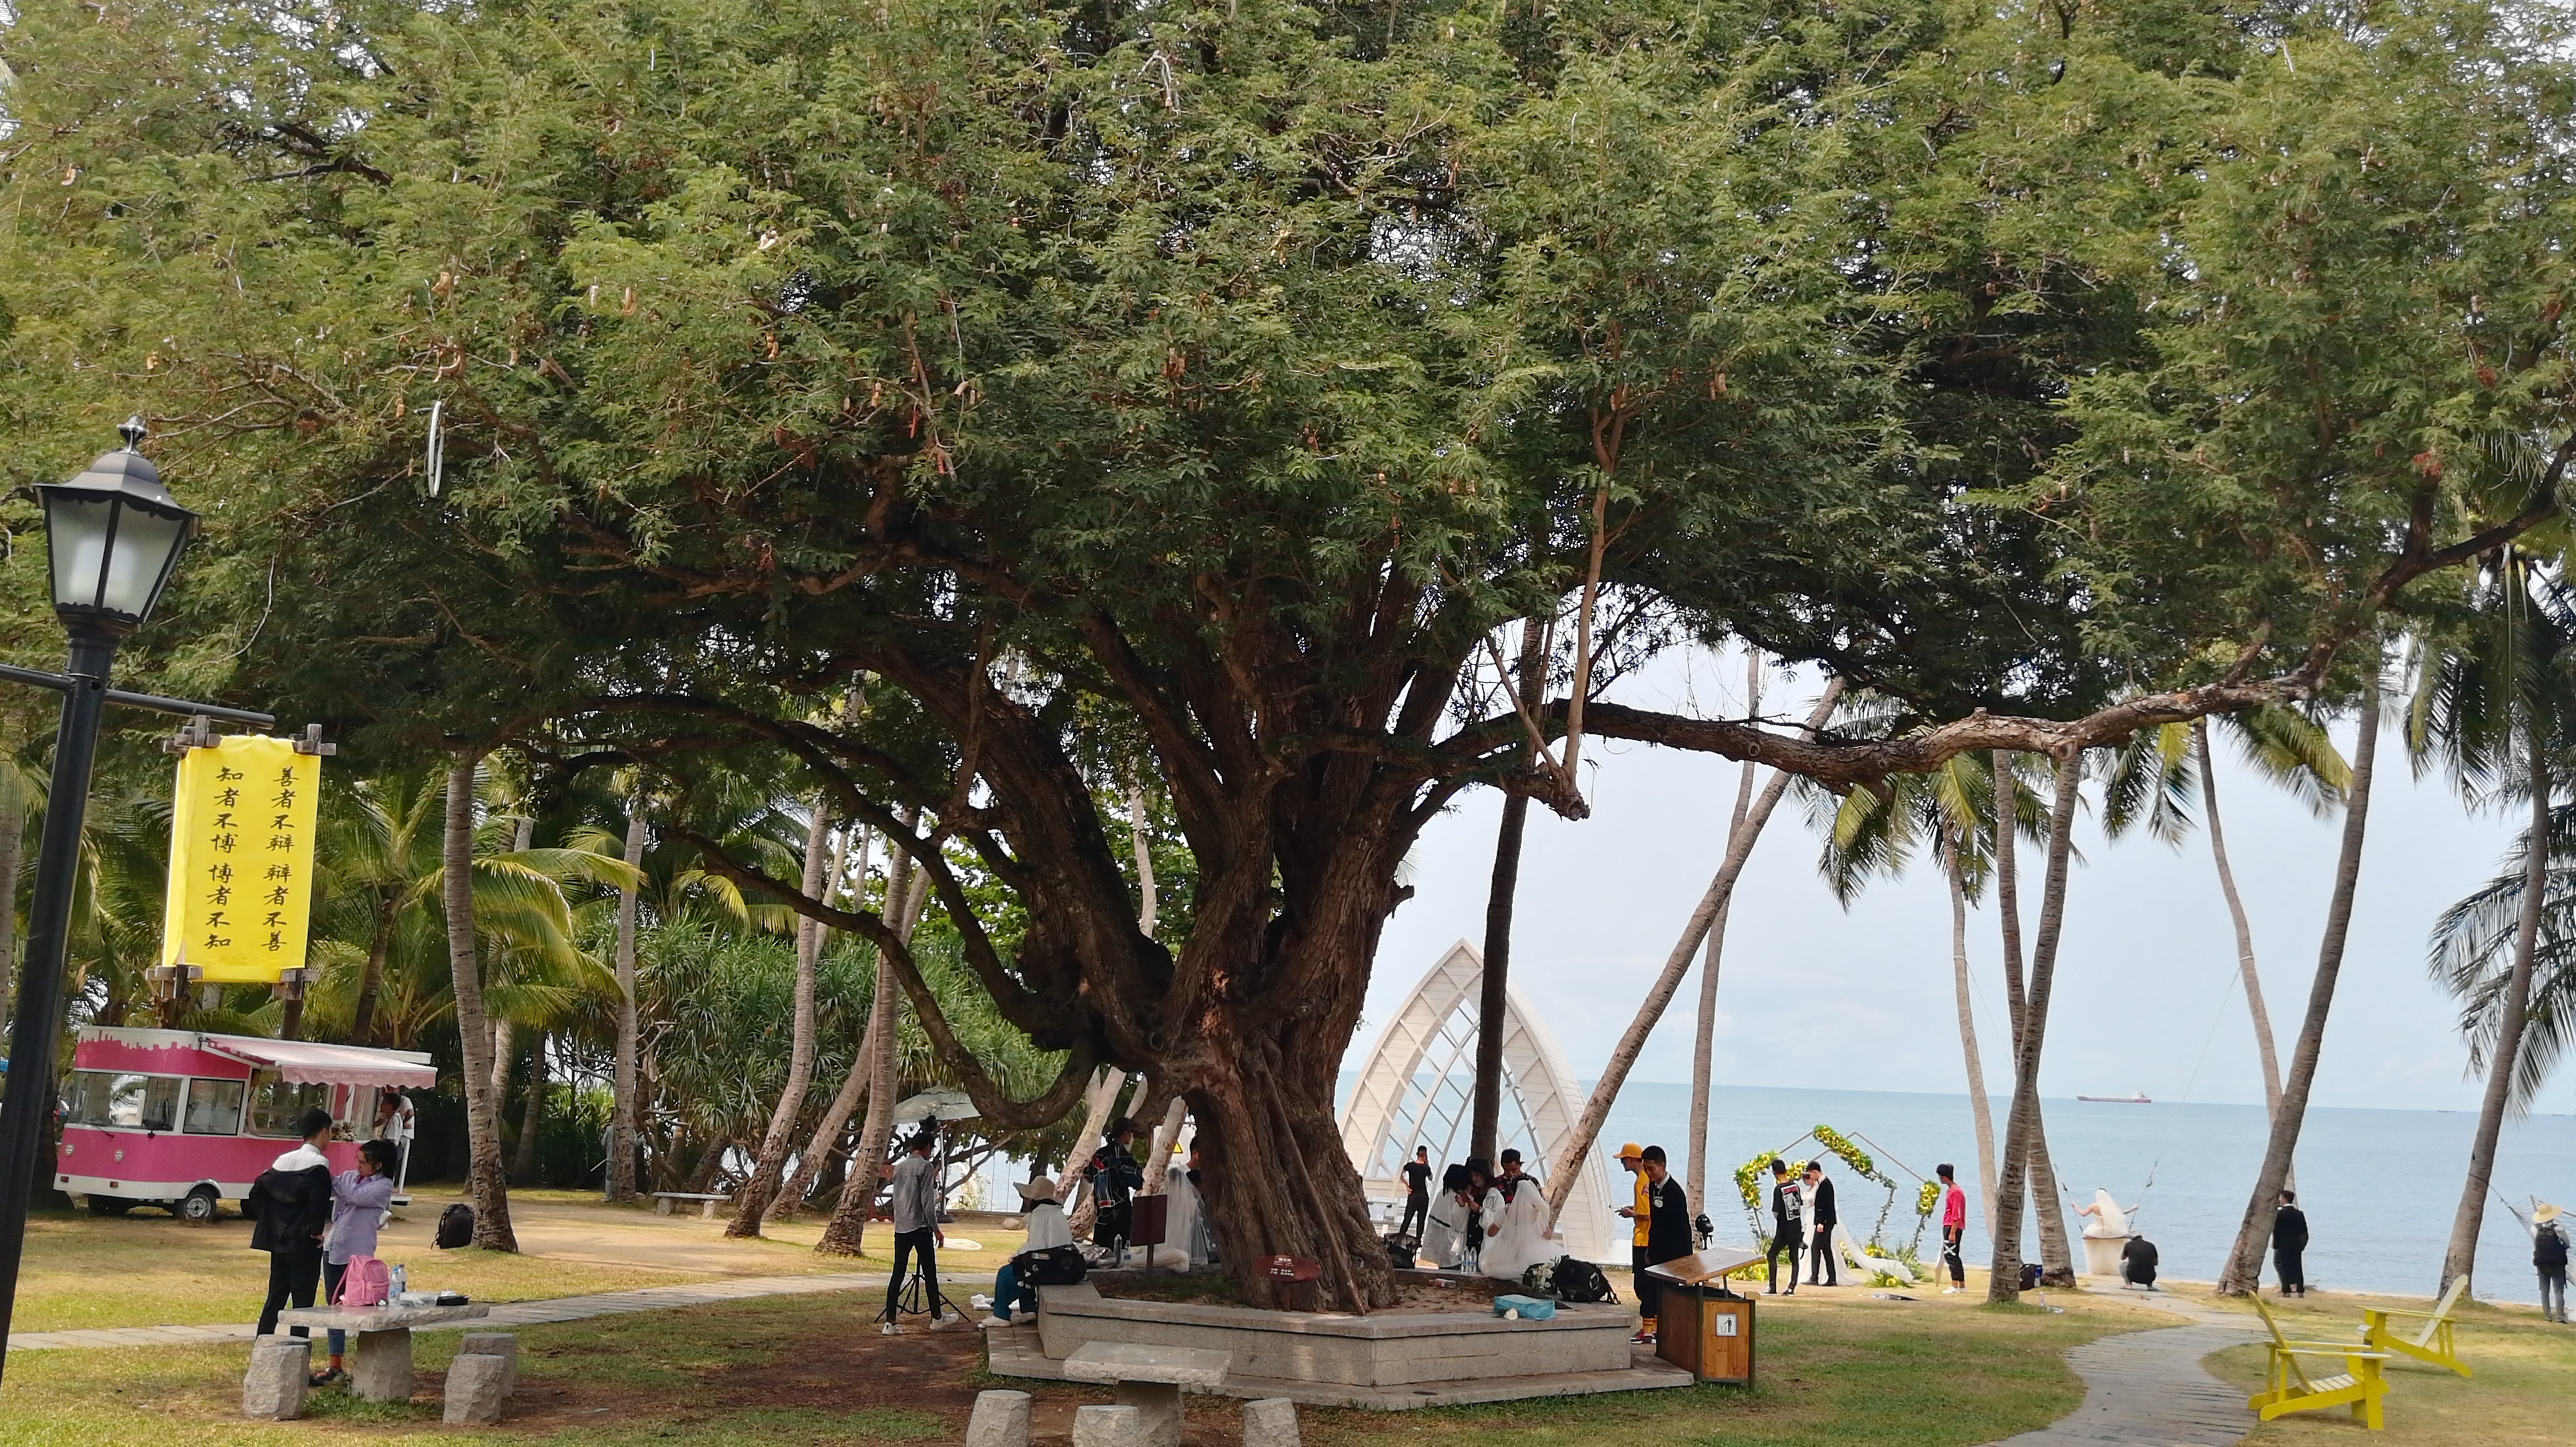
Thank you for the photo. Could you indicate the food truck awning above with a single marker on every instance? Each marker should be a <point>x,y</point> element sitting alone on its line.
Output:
<point>307,1063</point>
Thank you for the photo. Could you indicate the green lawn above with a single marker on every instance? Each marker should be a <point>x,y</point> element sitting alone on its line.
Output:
<point>810,1370</point>
<point>2524,1390</point>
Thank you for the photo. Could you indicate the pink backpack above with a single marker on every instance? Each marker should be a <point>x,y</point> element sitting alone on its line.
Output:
<point>366,1282</point>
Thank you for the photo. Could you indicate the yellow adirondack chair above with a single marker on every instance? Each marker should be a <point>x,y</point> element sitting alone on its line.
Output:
<point>2288,1388</point>
<point>2433,1343</point>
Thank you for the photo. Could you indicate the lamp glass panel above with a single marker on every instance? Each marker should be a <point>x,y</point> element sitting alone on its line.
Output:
<point>145,543</point>
<point>76,530</point>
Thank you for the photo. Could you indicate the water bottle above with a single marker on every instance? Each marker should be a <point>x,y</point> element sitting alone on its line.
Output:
<point>399,1280</point>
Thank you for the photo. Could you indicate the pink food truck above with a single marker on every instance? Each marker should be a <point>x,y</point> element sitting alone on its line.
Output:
<point>182,1120</point>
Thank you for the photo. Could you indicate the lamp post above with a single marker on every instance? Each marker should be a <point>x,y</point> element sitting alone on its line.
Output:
<point>113,533</point>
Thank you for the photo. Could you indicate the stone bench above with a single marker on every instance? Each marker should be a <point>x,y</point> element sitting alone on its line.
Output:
<point>380,1359</point>
<point>1149,1379</point>
<point>667,1202</point>
<point>481,1378</point>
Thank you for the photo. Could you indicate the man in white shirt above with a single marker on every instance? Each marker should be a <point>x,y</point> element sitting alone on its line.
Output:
<point>1047,1229</point>
<point>394,1123</point>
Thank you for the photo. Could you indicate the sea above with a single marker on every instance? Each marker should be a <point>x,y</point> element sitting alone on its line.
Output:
<point>2379,1186</point>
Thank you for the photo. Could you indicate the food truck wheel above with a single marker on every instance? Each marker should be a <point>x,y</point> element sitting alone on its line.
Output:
<point>109,1205</point>
<point>198,1205</point>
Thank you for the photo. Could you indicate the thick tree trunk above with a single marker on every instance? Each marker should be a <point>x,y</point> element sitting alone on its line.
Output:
<point>2462,1257</point>
<point>1979,1107</point>
<point>523,1165</point>
<point>504,1046</point>
<point>2236,912</point>
<point>825,1145</point>
<point>1704,1038</point>
<point>2023,1158</point>
<point>1493,993</point>
<point>483,1182</point>
<point>2244,1267</point>
<point>846,1233</point>
<point>624,1102</point>
<point>751,1202</point>
<point>1623,1057</point>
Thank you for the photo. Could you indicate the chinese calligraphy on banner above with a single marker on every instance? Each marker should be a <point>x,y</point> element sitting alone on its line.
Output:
<point>241,861</point>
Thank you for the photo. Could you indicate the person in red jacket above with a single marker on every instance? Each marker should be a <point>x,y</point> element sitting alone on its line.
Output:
<point>1954,1229</point>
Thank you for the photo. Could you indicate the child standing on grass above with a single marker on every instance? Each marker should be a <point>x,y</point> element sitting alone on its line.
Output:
<point>359,1200</point>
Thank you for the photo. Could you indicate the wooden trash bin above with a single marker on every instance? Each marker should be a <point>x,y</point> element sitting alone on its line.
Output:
<point>1702,1325</point>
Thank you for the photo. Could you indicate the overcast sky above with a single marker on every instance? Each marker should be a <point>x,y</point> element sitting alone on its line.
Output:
<point>1812,994</point>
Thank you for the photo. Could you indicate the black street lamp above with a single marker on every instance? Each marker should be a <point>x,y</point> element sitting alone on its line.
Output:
<point>113,534</point>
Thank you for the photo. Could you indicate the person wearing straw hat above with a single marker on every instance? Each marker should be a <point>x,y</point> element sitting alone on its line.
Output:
<point>2549,1257</point>
<point>1047,1229</point>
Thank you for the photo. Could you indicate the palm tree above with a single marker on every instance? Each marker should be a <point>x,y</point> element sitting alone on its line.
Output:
<point>2151,782</point>
<point>2475,945</point>
<point>2496,706</point>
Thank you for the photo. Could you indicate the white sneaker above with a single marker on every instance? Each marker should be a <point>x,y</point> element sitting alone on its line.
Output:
<point>991,1322</point>
<point>890,1329</point>
<point>946,1318</point>
<point>1949,1291</point>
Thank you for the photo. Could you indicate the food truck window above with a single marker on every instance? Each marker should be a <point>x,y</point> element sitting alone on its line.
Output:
<point>214,1107</point>
<point>276,1104</point>
<point>119,1098</point>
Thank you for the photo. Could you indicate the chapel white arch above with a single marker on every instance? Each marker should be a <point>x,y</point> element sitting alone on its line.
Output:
<point>1418,1088</point>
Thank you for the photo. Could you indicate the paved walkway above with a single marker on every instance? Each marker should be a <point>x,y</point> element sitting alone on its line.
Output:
<point>2148,1387</point>
<point>516,1313</point>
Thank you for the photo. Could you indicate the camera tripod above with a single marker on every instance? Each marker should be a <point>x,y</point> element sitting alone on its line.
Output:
<point>920,1295</point>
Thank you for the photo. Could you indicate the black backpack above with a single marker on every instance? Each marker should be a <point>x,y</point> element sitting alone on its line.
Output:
<point>2549,1247</point>
<point>1578,1280</point>
<point>455,1227</point>
<point>1053,1266</point>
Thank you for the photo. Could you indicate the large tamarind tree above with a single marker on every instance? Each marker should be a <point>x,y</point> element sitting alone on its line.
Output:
<point>1192,389</point>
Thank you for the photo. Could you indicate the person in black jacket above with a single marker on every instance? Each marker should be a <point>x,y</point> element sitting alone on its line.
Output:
<point>2289,1243</point>
<point>1821,1221</point>
<point>2138,1264</point>
<point>1114,1176</point>
<point>1668,1235</point>
<point>290,1205</point>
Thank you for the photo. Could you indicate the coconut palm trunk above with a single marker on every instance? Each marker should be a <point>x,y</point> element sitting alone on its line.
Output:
<point>846,1233</point>
<point>2244,1267</point>
<point>751,1201</point>
<point>2025,1158</point>
<point>13,841</point>
<point>523,1161</point>
<point>1623,1058</point>
<point>2056,1252</point>
<point>826,1141</point>
<point>2253,978</point>
<point>484,1184</point>
<point>2462,1257</point>
<point>1704,1037</point>
<point>1979,1107</point>
<point>624,1103</point>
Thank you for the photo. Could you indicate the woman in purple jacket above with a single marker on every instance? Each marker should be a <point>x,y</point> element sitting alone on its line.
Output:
<point>359,1200</point>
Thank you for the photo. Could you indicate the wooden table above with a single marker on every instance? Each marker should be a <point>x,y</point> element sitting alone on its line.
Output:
<point>380,1361</point>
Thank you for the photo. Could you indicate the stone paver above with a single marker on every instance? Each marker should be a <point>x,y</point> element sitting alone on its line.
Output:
<point>506,1314</point>
<point>2148,1387</point>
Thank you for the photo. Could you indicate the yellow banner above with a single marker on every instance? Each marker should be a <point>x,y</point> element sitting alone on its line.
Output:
<point>241,861</point>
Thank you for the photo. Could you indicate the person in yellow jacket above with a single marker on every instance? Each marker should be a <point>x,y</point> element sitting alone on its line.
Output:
<point>1632,1159</point>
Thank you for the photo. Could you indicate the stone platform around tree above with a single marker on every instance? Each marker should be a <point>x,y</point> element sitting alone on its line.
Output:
<point>1390,1360</point>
